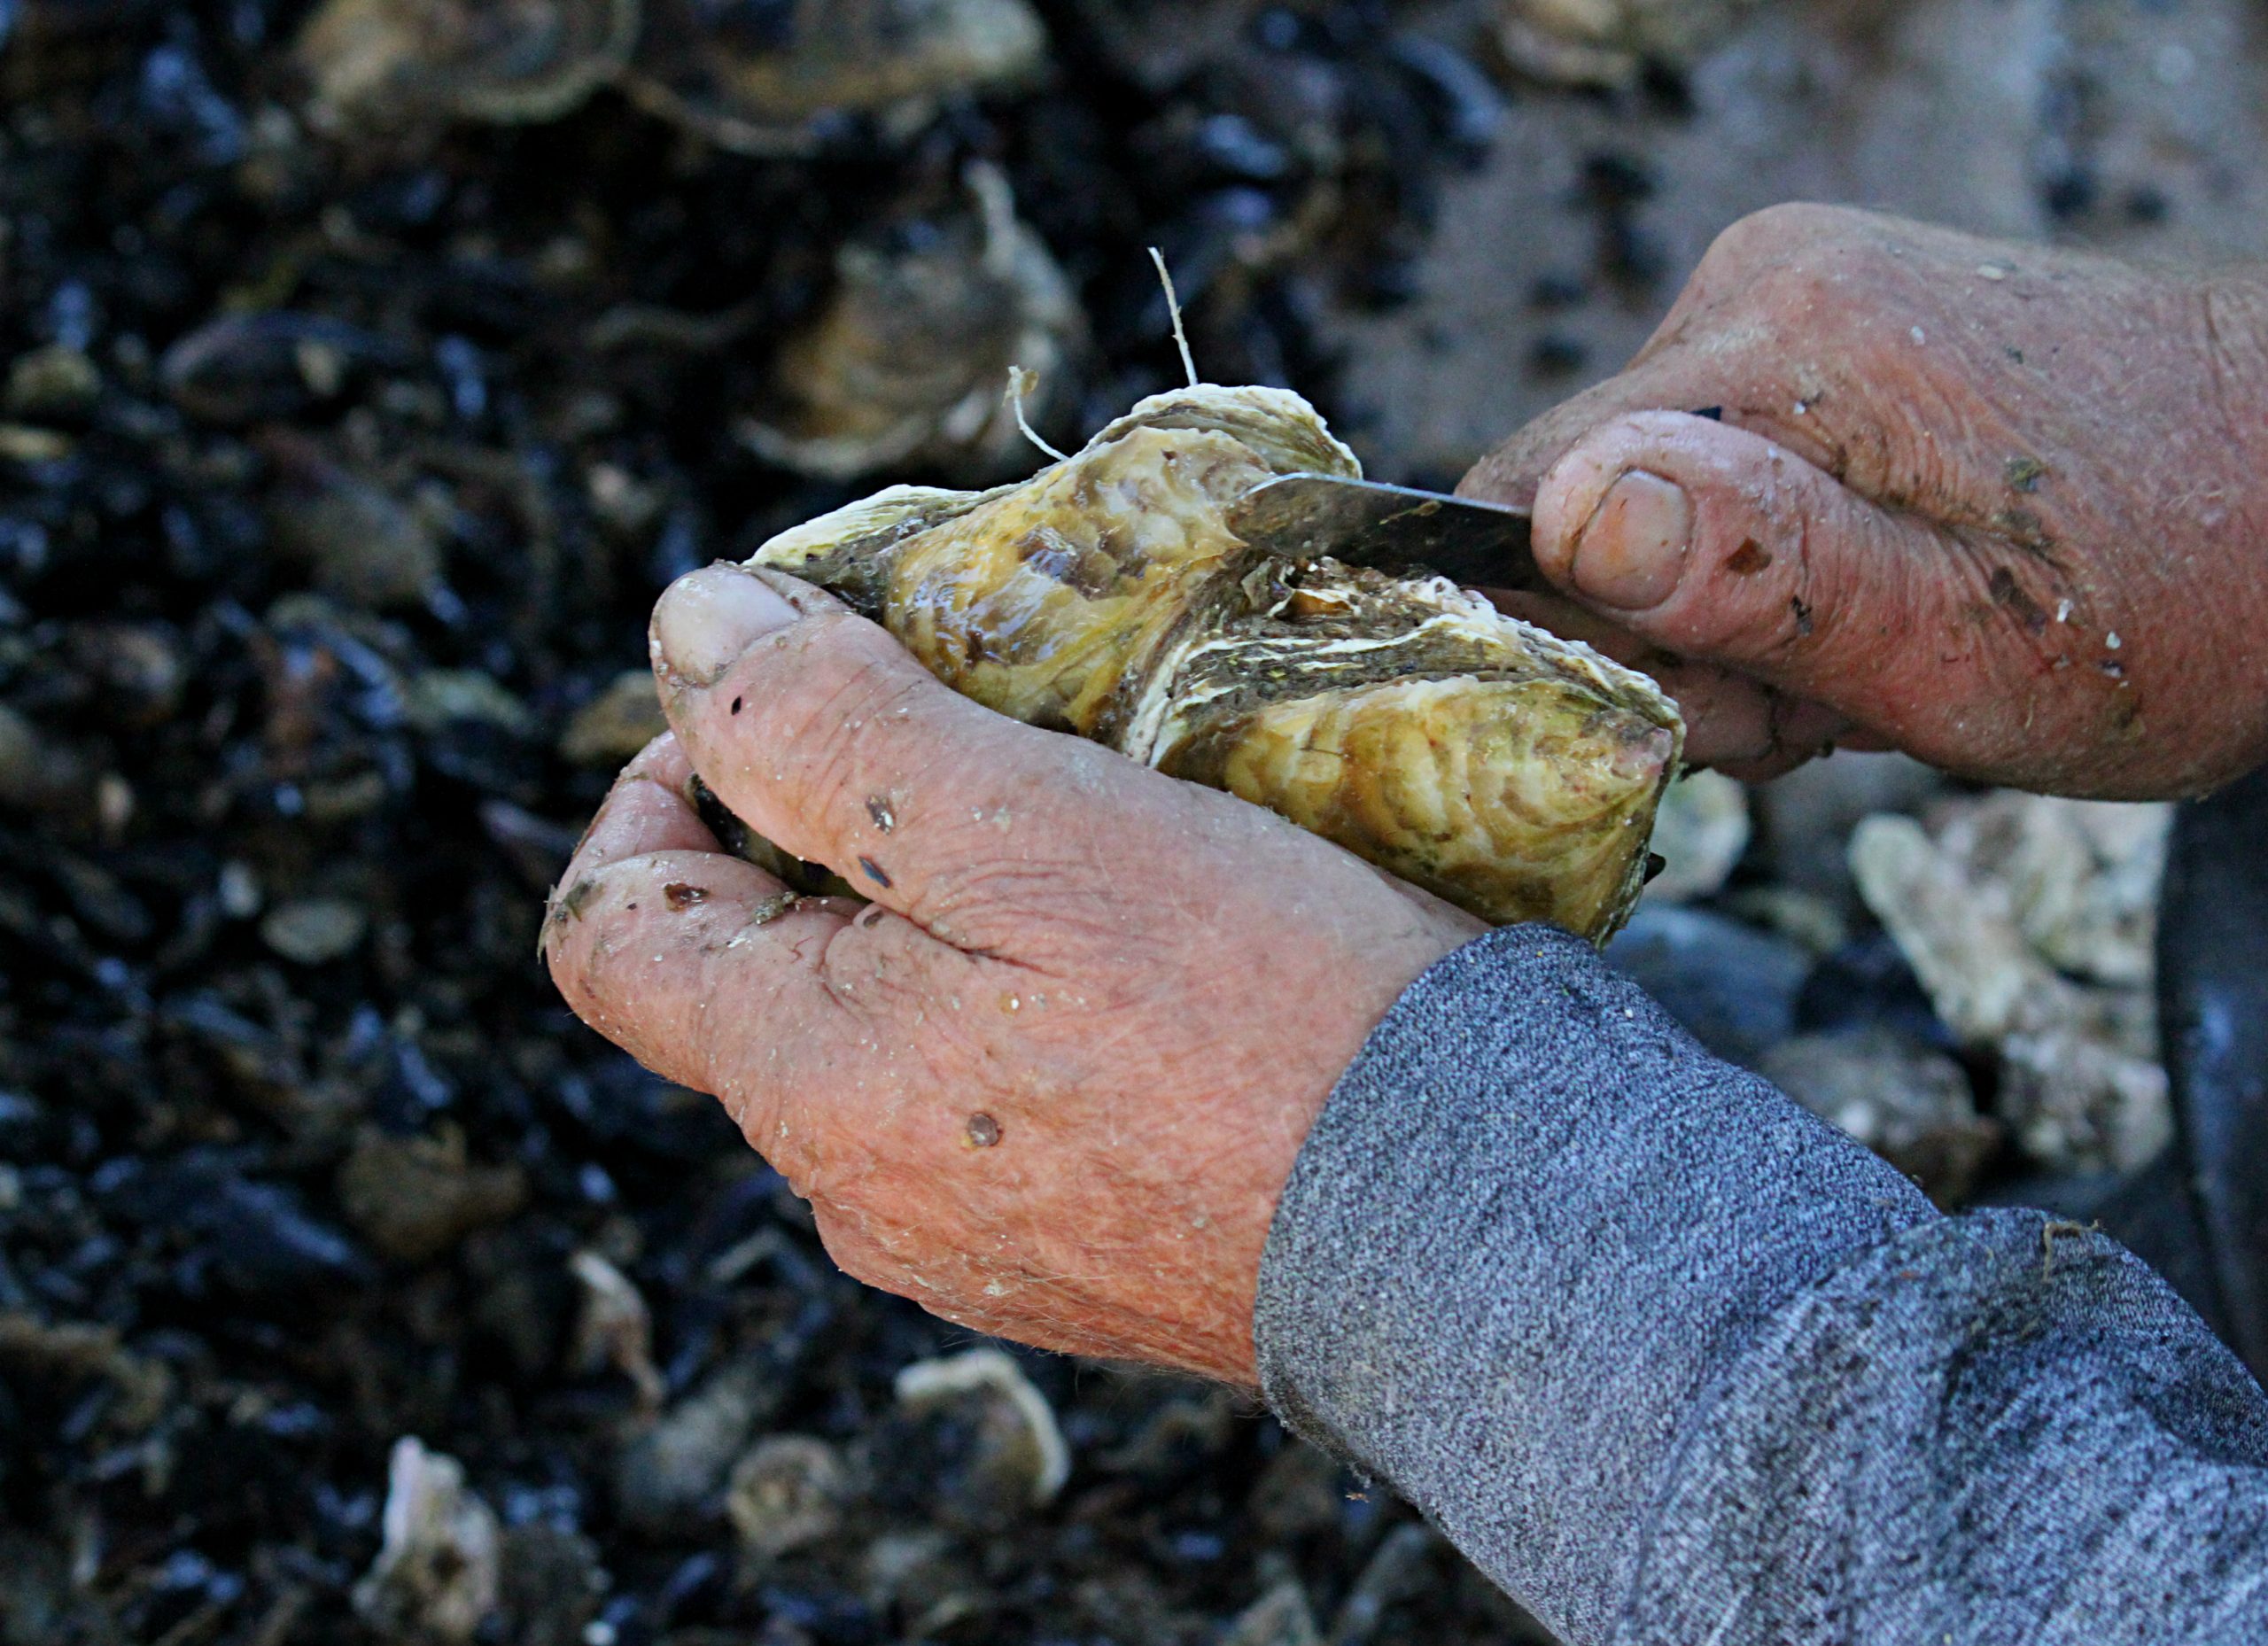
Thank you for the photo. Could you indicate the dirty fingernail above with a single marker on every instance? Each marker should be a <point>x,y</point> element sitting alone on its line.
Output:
<point>706,620</point>
<point>1632,550</point>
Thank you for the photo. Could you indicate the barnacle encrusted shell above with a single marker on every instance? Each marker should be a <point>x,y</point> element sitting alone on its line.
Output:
<point>1512,773</point>
<point>475,59</point>
<point>904,362</point>
<point>763,83</point>
<point>1608,42</point>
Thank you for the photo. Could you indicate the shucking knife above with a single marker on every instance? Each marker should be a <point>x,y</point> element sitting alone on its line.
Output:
<point>1390,527</point>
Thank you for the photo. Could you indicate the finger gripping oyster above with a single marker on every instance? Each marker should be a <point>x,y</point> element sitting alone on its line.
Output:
<point>1512,773</point>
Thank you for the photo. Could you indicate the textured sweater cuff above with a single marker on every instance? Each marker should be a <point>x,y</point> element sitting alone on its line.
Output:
<point>1533,1223</point>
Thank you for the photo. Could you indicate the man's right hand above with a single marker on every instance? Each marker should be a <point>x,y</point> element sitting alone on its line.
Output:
<point>2002,507</point>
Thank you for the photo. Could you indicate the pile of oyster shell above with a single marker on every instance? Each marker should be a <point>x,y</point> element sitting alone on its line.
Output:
<point>761,79</point>
<point>1512,773</point>
<point>1611,43</point>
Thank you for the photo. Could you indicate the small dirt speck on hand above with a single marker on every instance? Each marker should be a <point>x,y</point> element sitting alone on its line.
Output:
<point>680,895</point>
<point>874,872</point>
<point>984,1131</point>
<point>878,808</point>
<point>2026,473</point>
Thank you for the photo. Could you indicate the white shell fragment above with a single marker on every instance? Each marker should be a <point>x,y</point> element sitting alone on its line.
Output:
<point>1017,1426</point>
<point>1700,834</point>
<point>615,1328</point>
<point>788,1493</point>
<point>2028,921</point>
<point>437,1571</point>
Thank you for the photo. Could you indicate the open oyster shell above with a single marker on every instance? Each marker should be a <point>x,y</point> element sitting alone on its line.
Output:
<point>760,83</point>
<point>905,362</point>
<point>1510,772</point>
<point>1608,42</point>
<point>398,60</point>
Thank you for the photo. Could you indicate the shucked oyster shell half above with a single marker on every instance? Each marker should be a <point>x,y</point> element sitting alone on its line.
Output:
<point>1510,772</point>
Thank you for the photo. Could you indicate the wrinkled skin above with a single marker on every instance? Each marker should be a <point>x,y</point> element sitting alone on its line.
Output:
<point>1149,989</point>
<point>1885,566</point>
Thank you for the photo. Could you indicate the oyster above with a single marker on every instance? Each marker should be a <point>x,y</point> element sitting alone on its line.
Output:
<point>1609,43</point>
<point>904,362</point>
<point>396,60</point>
<point>761,78</point>
<point>1513,773</point>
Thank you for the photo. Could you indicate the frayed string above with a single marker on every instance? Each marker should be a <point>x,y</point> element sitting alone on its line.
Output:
<point>1173,308</point>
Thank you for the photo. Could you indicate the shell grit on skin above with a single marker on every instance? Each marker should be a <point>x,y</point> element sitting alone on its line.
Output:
<point>1510,772</point>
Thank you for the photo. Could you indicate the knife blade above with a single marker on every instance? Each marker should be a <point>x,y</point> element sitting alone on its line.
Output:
<point>1390,527</point>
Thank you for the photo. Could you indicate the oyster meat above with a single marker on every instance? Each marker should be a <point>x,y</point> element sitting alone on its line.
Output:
<point>1513,773</point>
<point>759,79</point>
<point>904,361</point>
<point>1609,43</point>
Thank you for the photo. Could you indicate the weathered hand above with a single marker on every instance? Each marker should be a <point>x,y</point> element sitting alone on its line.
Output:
<point>2002,507</point>
<point>1051,1083</point>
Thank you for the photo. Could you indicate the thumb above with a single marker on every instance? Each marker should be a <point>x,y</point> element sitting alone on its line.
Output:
<point>1719,546</point>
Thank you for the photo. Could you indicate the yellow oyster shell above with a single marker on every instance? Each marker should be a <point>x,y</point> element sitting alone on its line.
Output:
<point>1510,772</point>
<point>905,363</point>
<point>896,60</point>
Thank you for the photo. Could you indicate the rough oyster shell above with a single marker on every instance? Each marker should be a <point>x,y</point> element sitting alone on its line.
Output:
<point>759,79</point>
<point>506,60</point>
<point>905,362</point>
<point>762,88</point>
<point>1608,42</point>
<point>1514,773</point>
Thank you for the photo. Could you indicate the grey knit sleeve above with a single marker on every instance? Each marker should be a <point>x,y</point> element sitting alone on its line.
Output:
<point>1674,1362</point>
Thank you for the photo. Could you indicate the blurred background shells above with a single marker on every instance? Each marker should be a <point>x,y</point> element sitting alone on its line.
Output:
<point>764,78</point>
<point>394,60</point>
<point>761,77</point>
<point>907,360</point>
<point>1611,43</point>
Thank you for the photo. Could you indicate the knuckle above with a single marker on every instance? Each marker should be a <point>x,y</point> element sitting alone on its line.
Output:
<point>1771,233</point>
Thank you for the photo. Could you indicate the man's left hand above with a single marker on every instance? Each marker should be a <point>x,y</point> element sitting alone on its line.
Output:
<point>1050,1083</point>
